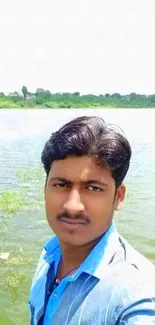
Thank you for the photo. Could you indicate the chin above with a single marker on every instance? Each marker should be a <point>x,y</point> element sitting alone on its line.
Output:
<point>72,240</point>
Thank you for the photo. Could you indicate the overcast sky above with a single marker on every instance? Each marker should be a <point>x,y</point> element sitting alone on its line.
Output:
<point>91,46</point>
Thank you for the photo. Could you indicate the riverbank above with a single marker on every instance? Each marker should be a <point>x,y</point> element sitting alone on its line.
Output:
<point>64,100</point>
<point>72,107</point>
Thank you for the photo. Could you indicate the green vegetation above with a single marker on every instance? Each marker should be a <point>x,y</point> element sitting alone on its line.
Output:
<point>10,203</point>
<point>45,99</point>
<point>13,271</point>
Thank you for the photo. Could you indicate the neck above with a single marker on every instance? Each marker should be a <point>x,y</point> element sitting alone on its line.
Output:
<point>72,256</point>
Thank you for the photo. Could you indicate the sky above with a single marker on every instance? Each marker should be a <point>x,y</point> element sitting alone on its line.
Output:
<point>90,46</point>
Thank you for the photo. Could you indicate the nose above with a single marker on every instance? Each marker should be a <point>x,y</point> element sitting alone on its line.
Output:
<point>73,204</point>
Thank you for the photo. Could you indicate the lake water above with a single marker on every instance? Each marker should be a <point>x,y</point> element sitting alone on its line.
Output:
<point>22,137</point>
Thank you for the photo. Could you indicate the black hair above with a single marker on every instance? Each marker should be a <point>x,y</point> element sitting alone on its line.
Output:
<point>93,137</point>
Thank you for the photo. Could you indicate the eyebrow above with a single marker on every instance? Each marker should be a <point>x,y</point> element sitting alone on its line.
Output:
<point>67,181</point>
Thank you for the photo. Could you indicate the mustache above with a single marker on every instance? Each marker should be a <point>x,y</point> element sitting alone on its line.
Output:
<point>77,216</point>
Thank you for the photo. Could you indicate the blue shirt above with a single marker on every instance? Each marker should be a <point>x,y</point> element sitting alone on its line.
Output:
<point>88,266</point>
<point>115,285</point>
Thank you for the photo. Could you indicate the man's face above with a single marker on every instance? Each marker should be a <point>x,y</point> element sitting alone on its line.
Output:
<point>80,199</point>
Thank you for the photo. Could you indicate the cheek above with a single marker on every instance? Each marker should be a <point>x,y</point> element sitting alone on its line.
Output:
<point>102,203</point>
<point>50,202</point>
<point>53,202</point>
<point>100,210</point>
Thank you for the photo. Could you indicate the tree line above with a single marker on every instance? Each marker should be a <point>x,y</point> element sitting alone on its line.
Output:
<point>47,99</point>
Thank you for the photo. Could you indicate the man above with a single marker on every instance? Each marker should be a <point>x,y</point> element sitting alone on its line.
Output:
<point>87,273</point>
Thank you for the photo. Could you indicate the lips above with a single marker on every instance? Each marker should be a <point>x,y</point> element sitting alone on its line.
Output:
<point>73,221</point>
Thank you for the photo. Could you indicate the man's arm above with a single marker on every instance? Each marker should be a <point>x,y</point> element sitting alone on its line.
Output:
<point>140,313</point>
<point>133,300</point>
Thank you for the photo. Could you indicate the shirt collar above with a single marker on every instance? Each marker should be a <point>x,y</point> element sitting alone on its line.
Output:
<point>52,248</point>
<point>99,257</point>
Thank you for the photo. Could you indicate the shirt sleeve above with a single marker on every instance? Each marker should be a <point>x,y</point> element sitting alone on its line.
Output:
<point>140,313</point>
<point>136,299</point>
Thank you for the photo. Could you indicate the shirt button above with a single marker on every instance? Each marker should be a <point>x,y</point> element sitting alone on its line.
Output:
<point>56,295</point>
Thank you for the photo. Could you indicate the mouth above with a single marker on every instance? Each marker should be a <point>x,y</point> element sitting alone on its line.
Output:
<point>72,222</point>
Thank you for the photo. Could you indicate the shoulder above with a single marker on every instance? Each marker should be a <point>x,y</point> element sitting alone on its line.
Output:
<point>133,258</point>
<point>129,284</point>
<point>135,293</point>
<point>132,271</point>
<point>129,275</point>
<point>125,293</point>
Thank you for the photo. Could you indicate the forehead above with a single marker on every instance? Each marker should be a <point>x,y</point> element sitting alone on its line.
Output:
<point>78,168</point>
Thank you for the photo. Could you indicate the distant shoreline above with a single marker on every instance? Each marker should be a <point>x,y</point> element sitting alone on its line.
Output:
<point>72,107</point>
<point>44,99</point>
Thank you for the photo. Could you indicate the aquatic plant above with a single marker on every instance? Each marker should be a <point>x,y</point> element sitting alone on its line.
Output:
<point>12,202</point>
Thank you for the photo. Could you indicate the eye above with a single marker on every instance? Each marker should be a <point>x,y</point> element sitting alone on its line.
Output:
<point>60,185</point>
<point>95,189</point>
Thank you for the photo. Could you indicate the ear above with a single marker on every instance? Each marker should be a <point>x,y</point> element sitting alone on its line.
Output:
<point>119,197</point>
